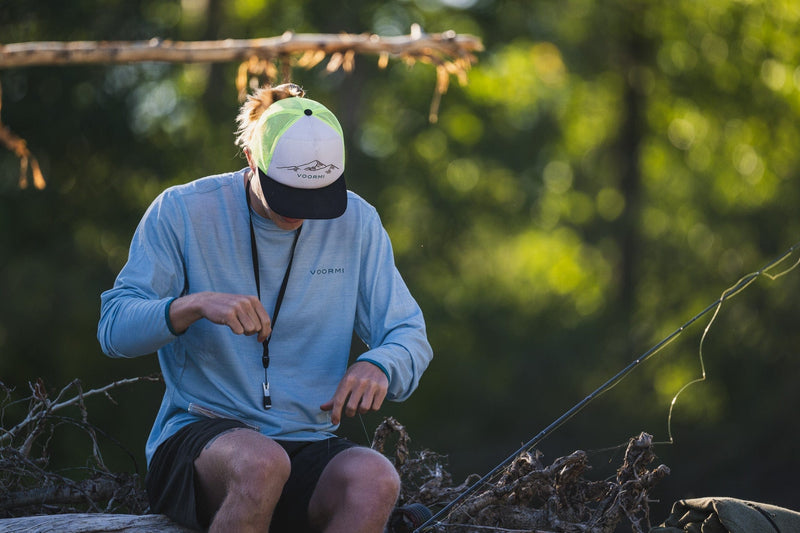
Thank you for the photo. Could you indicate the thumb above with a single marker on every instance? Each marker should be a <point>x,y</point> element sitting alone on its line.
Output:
<point>327,406</point>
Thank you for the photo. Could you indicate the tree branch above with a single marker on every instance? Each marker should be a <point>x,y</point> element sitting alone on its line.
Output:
<point>416,45</point>
<point>449,52</point>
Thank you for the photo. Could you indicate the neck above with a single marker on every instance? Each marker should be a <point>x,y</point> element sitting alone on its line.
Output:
<point>260,206</point>
<point>256,202</point>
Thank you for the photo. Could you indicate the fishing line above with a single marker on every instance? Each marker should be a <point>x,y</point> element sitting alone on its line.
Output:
<point>730,292</point>
<point>366,433</point>
<point>611,383</point>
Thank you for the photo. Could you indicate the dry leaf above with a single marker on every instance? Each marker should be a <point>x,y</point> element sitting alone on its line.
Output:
<point>335,62</point>
<point>383,60</point>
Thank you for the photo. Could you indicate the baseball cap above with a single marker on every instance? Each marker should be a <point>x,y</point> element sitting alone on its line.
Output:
<point>300,159</point>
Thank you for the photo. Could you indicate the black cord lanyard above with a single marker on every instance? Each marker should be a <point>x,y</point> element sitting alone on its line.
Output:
<point>281,292</point>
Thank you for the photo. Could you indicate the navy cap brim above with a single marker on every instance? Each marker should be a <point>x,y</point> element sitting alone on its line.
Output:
<point>323,203</point>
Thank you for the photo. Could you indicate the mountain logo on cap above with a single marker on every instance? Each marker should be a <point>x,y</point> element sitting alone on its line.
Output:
<point>313,166</point>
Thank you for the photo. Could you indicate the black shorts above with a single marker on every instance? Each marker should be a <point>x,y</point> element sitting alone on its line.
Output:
<point>172,484</point>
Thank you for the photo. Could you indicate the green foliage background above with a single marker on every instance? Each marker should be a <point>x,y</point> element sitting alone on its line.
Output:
<point>608,171</point>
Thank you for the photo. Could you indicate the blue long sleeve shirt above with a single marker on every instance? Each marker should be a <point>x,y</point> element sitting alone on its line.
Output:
<point>196,237</point>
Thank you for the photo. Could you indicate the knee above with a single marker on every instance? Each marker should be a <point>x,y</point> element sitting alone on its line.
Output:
<point>386,480</point>
<point>377,477</point>
<point>357,482</point>
<point>259,476</point>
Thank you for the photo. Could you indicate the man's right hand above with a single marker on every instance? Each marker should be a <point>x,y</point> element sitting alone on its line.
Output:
<point>243,314</point>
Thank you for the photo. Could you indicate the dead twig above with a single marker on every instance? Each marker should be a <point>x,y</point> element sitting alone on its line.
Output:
<point>42,407</point>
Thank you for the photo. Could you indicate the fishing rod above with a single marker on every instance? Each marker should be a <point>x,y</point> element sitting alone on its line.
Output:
<point>732,291</point>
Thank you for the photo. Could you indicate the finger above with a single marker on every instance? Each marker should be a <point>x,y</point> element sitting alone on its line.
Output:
<point>365,405</point>
<point>264,321</point>
<point>330,405</point>
<point>338,400</point>
<point>377,399</point>
<point>234,324</point>
<point>336,410</point>
<point>249,321</point>
<point>367,399</point>
<point>253,317</point>
<point>233,314</point>
<point>374,400</point>
<point>358,400</point>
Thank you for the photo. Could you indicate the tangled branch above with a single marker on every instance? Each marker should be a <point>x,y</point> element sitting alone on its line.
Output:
<point>28,486</point>
<point>530,496</point>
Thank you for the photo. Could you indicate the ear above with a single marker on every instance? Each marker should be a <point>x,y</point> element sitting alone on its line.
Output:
<point>250,161</point>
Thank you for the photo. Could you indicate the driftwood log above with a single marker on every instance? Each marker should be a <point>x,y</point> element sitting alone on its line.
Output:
<point>92,523</point>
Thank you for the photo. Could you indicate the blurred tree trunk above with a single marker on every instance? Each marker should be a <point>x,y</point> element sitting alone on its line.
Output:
<point>217,80</point>
<point>628,150</point>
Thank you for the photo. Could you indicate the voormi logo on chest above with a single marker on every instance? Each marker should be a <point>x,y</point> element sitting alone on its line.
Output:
<point>326,271</point>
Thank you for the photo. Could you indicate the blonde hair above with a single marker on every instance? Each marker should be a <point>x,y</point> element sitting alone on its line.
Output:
<point>254,107</point>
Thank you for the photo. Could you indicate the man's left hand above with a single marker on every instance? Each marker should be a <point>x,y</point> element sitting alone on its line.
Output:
<point>363,388</point>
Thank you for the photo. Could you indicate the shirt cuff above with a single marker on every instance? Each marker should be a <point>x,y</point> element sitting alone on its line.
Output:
<point>169,322</point>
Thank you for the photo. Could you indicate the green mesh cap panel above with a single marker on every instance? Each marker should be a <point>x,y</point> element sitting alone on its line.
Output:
<point>278,117</point>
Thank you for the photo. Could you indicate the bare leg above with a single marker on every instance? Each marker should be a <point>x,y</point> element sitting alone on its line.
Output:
<point>355,494</point>
<point>241,474</point>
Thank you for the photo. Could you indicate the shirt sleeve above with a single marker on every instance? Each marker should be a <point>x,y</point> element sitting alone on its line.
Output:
<point>134,314</point>
<point>388,319</point>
